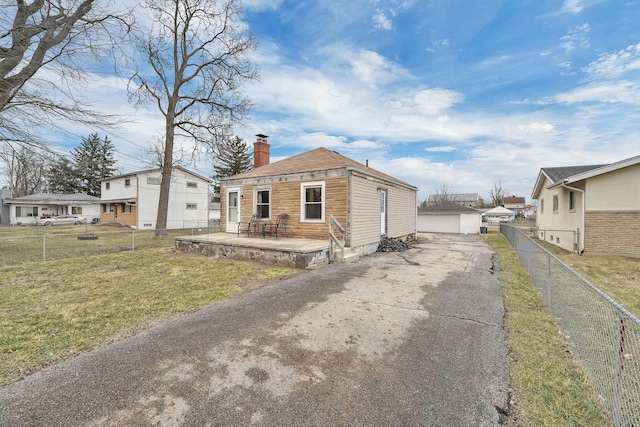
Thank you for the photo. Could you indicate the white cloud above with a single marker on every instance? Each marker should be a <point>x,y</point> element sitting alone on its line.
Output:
<point>576,37</point>
<point>614,92</point>
<point>572,6</point>
<point>381,21</point>
<point>441,149</point>
<point>612,65</point>
<point>371,68</point>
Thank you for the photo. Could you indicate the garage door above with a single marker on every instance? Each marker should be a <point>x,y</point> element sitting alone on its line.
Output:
<point>439,223</point>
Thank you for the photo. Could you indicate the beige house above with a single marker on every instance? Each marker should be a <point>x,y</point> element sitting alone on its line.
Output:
<point>516,204</point>
<point>312,186</point>
<point>591,209</point>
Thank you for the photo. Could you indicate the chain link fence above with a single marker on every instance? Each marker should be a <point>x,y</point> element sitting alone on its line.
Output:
<point>605,337</point>
<point>38,243</point>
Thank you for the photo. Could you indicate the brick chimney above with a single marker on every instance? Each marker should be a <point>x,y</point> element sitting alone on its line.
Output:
<point>260,151</point>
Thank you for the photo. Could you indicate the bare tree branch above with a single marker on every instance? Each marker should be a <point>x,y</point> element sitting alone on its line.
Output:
<point>43,46</point>
<point>196,52</point>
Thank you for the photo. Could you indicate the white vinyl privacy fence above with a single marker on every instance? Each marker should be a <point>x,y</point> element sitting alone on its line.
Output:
<point>604,335</point>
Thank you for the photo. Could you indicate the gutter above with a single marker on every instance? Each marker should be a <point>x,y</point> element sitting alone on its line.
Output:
<point>584,207</point>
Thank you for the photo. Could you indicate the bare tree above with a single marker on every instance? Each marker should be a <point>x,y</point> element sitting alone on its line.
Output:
<point>443,195</point>
<point>197,52</point>
<point>497,194</point>
<point>44,45</point>
<point>25,168</point>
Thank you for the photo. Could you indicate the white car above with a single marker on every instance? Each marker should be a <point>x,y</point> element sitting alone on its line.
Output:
<point>63,220</point>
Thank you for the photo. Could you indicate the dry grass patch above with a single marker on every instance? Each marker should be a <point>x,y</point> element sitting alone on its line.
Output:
<point>550,387</point>
<point>52,311</point>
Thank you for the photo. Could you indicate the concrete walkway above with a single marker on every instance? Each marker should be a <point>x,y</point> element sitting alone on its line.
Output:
<point>412,339</point>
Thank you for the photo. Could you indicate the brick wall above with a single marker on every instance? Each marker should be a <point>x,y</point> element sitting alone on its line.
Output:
<point>612,233</point>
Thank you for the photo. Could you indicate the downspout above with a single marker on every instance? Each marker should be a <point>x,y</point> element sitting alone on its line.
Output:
<point>584,207</point>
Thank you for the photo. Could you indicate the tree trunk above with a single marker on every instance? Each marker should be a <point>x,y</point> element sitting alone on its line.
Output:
<point>167,168</point>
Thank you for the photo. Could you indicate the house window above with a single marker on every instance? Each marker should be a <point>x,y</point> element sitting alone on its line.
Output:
<point>126,208</point>
<point>555,203</point>
<point>192,206</point>
<point>26,211</point>
<point>76,210</point>
<point>192,184</point>
<point>127,183</point>
<point>107,185</point>
<point>541,206</point>
<point>572,200</point>
<point>312,198</point>
<point>106,208</point>
<point>263,203</point>
<point>154,180</point>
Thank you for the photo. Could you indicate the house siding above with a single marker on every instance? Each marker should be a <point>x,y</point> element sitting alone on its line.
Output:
<point>365,212</point>
<point>146,196</point>
<point>612,233</point>
<point>401,212</point>
<point>559,227</point>
<point>285,199</point>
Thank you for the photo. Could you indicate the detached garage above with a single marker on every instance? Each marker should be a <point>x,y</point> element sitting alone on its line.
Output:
<point>449,218</point>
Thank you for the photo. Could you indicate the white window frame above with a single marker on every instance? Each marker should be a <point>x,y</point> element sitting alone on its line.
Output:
<point>192,206</point>
<point>125,209</point>
<point>303,200</point>
<point>192,184</point>
<point>107,186</point>
<point>127,182</point>
<point>154,180</point>
<point>556,203</point>
<point>257,190</point>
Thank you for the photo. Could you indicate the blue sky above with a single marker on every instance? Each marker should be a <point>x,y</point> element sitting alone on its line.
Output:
<point>461,93</point>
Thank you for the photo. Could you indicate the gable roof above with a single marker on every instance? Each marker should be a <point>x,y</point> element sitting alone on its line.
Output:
<point>318,159</point>
<point>53,199</point>
<point>558,174</point>
<point>499,210</point>
<point>145,171</point>
<point>461,197</point>
<point>571,174</point>
<point>448,207</point>
<point>513,200</point>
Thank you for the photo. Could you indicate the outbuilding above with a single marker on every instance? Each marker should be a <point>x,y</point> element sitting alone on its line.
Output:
<point>449,218</point>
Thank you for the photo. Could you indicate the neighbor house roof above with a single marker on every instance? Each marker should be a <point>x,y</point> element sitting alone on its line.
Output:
<point>53,199</point>
<point>512,200</point>
<point>447,208</point>
<point>499,210</point>
<point>460,197</point>
<point>571,174</point>
<point>315,160</point>
<point>145,171</point>
<point>559,174</point>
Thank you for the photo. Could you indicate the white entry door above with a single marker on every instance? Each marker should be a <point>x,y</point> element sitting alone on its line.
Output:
<point>383,211</point>
<point>233,211</point>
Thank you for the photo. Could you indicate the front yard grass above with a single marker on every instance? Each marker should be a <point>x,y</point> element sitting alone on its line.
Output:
<point>550,387</point>
<point>51,311</point>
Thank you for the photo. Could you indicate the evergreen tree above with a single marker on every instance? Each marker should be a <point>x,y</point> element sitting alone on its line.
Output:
<point>93,161</point>
<point>62,178</point>
<point>232,158</point>
<point>90,162</point>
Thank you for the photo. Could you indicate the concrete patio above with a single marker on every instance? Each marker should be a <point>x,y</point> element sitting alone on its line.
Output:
<point>297,253</point>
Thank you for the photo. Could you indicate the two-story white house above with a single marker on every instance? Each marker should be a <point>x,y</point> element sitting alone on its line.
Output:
<point>132,199</point>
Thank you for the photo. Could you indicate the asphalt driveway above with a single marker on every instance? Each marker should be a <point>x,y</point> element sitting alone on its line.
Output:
<point>412,338</point>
